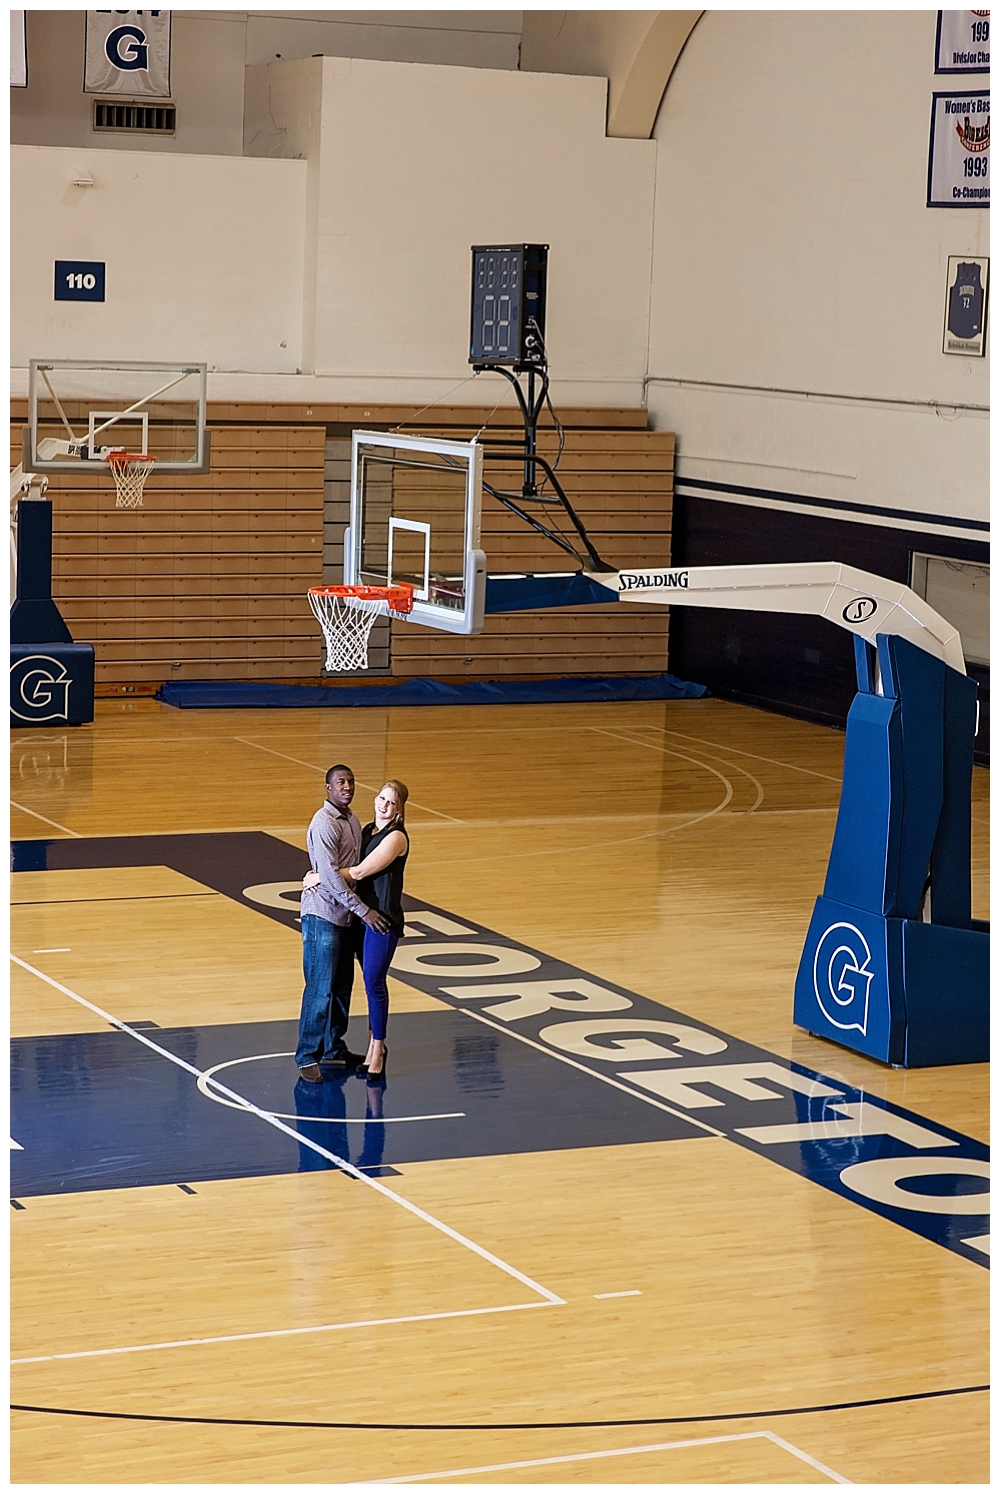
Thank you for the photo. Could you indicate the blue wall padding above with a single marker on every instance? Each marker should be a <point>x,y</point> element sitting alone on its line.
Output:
<point>946,980</point>
<point>864,859</point>
<point>211,694</point>
<point>919,685</point>
<point>520,593</point>
<point>951,858</point>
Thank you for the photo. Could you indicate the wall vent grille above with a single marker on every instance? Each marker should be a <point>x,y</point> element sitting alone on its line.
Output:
<point>160,119</point>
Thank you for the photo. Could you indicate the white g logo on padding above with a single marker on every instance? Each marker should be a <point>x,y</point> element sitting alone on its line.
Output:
<point>842,977</point>
<point>40,685</point>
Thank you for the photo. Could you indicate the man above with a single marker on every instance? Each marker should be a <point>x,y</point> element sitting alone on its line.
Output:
<point>328,931</point>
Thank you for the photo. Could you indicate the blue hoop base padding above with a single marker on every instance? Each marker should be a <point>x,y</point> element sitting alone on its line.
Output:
<point>51,684</point>
<point>907,993</point>
<point>212,694</point>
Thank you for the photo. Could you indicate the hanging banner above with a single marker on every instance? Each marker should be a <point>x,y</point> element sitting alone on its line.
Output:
<point>128,52</point>
<point>963,41</point>
<point>18,50</point>
<point>965,305</point>
<point>958,168</point>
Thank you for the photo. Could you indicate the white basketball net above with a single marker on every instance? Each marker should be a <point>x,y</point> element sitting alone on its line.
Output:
<point>347,623</point>
<point>129,471</point>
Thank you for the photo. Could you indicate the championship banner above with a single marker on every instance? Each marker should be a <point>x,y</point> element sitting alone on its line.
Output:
<point>128,52</point>
<point>18,51</point>
<point>963,41</point>
<point>958,168</point>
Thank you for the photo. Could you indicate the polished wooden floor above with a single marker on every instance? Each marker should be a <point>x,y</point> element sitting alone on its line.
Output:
<point>674,849</point>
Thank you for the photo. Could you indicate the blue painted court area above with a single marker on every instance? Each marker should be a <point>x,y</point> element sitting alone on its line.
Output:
<point>102,1110</point>
<point>526,1053</point>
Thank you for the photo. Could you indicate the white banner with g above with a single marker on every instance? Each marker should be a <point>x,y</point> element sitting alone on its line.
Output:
<point>128,52</point>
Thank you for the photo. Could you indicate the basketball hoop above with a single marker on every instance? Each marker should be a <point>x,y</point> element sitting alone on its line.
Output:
<point>347,614</point>
<point>130,470</point>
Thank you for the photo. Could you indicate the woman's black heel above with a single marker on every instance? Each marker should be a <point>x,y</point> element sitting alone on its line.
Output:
<point>371,1078</point>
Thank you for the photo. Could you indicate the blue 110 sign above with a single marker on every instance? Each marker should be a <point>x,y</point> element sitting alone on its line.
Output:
<point>79,280</point>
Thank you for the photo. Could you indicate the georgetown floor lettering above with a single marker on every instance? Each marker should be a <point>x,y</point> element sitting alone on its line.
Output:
<point>564,1059</point>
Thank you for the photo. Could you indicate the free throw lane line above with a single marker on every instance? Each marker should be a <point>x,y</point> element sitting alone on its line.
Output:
<point>297,1136</point>
<point>234,1338</point>
<point>45,820</point>
<point>619,1452</point>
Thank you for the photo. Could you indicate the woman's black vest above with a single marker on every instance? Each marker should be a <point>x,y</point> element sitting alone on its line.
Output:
<point>384,890</point>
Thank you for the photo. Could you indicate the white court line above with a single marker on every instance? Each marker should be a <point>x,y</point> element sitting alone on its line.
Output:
<point>44,818</point>
<point>307,1141</point>
<point>604,1078</point>
<point>602,731</point>
<point>545,820</point>
<point>625,840</point>
<point>235,1338</point>
<point>618,1452</point>
<point>602,1296</point>
<point>275,753</point>
<point>208,1078</point>
<point>671,752</point>
<point>774,761</point>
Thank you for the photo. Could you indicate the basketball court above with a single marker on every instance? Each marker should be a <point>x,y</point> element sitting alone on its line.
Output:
<point>625,1207</point>
<point>617,1260</point>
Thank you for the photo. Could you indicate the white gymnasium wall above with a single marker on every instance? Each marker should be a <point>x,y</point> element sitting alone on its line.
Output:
<point>333,260</point>
<point>204,258</point>
<point>210,51</point>
<point>412,164</point>
<point>799,280</point>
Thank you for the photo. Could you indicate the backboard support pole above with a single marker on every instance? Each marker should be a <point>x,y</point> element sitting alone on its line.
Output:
<point>531,408</point>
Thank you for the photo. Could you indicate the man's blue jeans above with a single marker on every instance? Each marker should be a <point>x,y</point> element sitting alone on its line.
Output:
<point>328,968</point>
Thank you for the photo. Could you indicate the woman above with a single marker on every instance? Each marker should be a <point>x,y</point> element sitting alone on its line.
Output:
<point>379,880</point>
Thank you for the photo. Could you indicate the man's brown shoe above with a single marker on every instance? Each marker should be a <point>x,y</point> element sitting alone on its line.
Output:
<point>311,1074</point>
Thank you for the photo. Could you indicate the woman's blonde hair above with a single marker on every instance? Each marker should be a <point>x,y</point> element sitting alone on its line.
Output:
<point>402,794</point>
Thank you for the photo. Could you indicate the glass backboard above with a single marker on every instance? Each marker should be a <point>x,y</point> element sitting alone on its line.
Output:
<point>79,411</point>
<point>415,514</point>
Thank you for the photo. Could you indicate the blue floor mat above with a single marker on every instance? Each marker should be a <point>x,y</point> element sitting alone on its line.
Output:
<point>248,693</point>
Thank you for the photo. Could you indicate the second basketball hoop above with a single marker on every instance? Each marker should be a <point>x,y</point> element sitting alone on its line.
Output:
<point>347,614</point>
<point>130,470</point>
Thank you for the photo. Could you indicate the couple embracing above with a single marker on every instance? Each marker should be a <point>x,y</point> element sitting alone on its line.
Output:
<point>351,909</point>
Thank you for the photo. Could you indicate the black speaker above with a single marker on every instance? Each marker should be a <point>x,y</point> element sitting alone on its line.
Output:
<point>508,305</point>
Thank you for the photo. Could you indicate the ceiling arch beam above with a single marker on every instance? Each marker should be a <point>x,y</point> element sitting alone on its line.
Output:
<point>636,50</point>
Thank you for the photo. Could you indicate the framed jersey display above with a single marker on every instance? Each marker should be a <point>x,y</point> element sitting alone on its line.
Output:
<point>965,305</point>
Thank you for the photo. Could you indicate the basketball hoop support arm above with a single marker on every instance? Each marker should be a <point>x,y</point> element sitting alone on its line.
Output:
<point>864,604</point>
<point>531,408</point>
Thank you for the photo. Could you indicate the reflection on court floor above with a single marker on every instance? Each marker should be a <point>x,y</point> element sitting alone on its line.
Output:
<point>101,1110</point>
